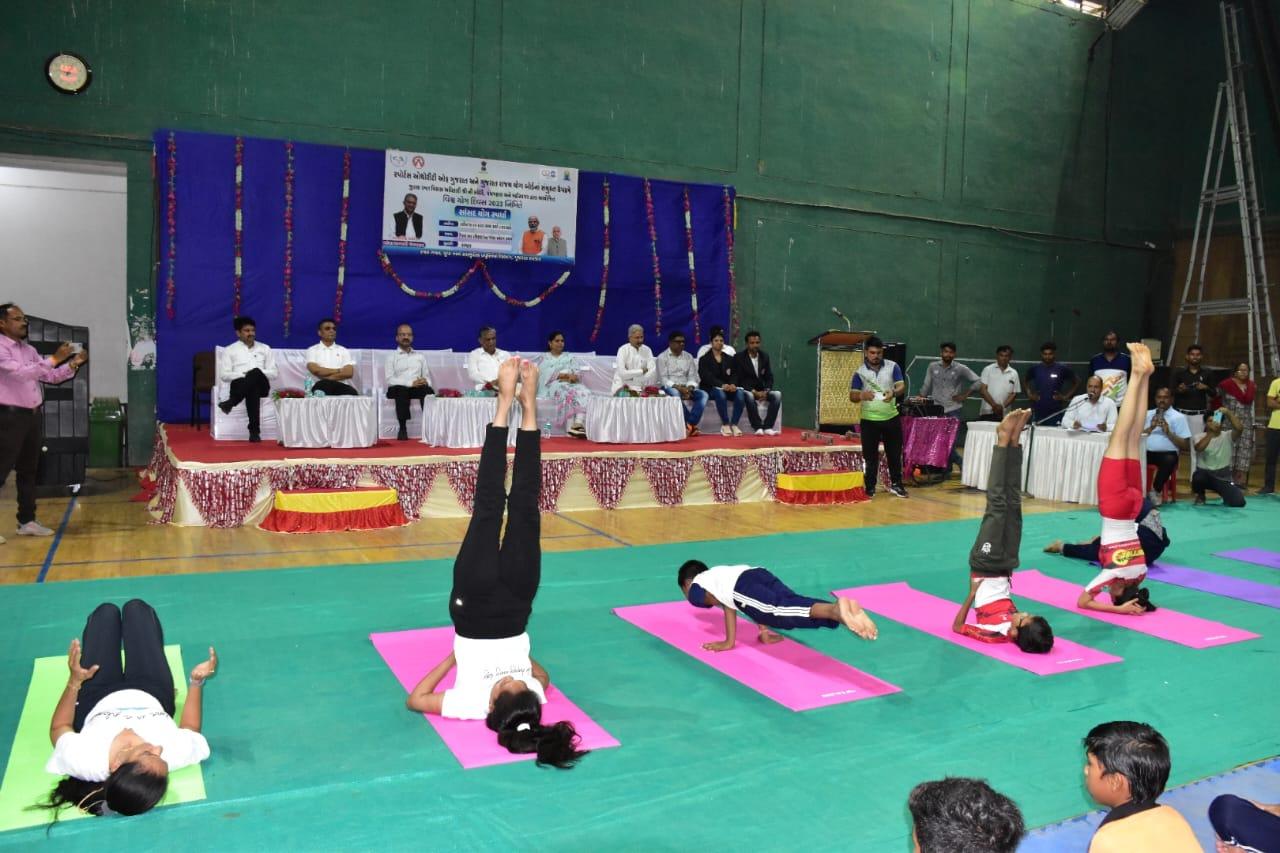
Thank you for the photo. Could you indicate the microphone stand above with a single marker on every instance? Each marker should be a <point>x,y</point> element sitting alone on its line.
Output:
<point>1031,443</point>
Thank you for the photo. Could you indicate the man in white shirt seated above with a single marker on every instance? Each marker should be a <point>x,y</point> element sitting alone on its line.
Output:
<point>678,375</point>
<point>999,385</point>
<point>249,366</point>
<point>1214,447</point>
<point>635,367</point>
<point>330,363</point>
<point>1091,411</point>
<point>483,361</point>
<point>407,377</point>
<point>1167,433</point>
<point>715,330</point>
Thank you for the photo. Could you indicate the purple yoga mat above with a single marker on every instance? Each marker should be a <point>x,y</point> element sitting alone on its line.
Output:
<point>1257,556</point>
<point>1267,595</point>
<point>791,674</point>
<point>933,615</point>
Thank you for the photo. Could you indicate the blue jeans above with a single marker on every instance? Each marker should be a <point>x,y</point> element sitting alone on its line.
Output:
<point>740,399</point>
<point>697,402</point>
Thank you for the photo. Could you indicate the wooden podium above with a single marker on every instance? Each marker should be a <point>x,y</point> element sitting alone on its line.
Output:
<point>839,356</point>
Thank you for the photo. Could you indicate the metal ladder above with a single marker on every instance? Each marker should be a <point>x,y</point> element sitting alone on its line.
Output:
<point>1231,129</point>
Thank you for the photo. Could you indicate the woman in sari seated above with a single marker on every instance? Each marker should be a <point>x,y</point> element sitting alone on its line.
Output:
<point>560,381</point>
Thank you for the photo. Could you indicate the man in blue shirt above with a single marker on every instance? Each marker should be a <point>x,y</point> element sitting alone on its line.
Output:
<point>1112,367</point>
<point>1050,386</point>
<point>1167,433</point>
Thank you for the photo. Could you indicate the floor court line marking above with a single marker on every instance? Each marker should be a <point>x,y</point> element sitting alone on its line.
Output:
<point>53,546</point>
<point>592,529</point>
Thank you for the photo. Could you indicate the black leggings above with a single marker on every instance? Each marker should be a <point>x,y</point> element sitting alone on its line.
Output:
<point>890,432</point>
<point>494,584</point>
<point>139,633</point>
<point>995,550</point>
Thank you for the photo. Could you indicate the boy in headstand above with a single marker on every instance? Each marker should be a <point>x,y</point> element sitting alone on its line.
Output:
<point>1120,497</point>
<point>994,555</point>
<point>765,600</point>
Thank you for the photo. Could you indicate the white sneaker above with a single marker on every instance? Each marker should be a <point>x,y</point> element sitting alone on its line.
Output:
<point>774,431</point>
<point>2,540</point>
<point>762,432</point>
<point>736,431</point>
<point>724,430</point>
<point>32,528</point>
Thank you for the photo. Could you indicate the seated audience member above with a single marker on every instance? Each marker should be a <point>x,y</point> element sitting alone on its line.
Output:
<point>948,383</point>
<point>1091,410</point>
<point>715,330</point>
<point>1151,535</point>
<point>249,367</point>
<point>1245,826</point>
<point>678,375</point>
<point>635,367</point>
<point>483,361</point>
<point>407,377</point>
<point>1050,386</point>
<point>757,378</point>
<point>999,385</point>
<point>1112,367</point>
<point>717,376</point>
<point>559,379</point>
<point>958,814</point>
<point>330,363</point>
<point>1126,768</point>
<point>1213,459</point>
<point>1167,433</point>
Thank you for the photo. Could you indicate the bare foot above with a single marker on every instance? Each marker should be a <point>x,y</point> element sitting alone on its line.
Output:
<point>1140,355</point>
<point>768,637</point>
<point>856,619</point>
<point>508,372</point>
<point>1008,426</point>
<point>528,384</point>
<point>1054,547</point>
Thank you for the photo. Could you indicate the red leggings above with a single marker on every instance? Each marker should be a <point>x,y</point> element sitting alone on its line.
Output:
<point>1120,488</point>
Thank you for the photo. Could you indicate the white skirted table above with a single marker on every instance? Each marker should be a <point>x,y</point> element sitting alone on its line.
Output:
<point>635,420</point>
<point>327,421</point>
<point>461,421</point>
<point>1058,464</point>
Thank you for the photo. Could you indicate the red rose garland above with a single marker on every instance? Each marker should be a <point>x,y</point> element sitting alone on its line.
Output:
<point>734,319</point>
<point>693,275</point>
<point>604,268</point>
<point>385,262</point>
<point>511,300</point>
<point>171,218</point>
<point>288,235</point>
<point>653,254</point>
<point>237,278</point>
<point>342,235</point>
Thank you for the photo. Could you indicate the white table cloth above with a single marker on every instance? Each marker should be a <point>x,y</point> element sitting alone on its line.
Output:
<point>461,421</point>
<point>1058,464</point>
<point>327,421</point>
<point>635,420</point>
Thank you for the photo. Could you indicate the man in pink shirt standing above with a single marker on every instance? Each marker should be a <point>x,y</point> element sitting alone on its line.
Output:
<point>22,369</point>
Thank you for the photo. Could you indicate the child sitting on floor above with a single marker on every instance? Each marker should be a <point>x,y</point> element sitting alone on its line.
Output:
<point>1126,768</point>
<point>765,600</point>
<point>994,555</point>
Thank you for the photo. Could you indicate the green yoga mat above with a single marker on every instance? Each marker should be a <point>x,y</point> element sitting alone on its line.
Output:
<point>25,780</point>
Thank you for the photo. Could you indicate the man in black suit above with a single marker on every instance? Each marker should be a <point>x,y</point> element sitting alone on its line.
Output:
<point>757,378</point>
<point>404,217</point>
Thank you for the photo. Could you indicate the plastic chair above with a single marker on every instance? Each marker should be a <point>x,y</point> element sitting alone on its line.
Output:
<point>202,380</point>
<point>1169,494</point>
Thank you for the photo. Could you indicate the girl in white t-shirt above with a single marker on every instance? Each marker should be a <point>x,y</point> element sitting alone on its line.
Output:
<point>113,731</point>
<point>493,589</point>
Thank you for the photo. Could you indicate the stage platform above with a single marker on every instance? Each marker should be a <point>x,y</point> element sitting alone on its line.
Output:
<point>202,482</point>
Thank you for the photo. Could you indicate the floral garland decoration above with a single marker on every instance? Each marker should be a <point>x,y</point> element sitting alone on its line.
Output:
<point>734,319</point>
<point>288,235</point>
<point>171,218</point>
<point>604,269</point>
<point>342,234</point>
<point>693,275</point>
<point>425,294</point>
<point>237,278</point>
<point>511,300</point>
<point>653,253</point>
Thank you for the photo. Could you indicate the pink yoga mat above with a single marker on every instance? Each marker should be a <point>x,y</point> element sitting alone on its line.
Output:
<point>790,673</point>
<point>411,655</point>
<point>1166,624</point>
<point>933,615</point>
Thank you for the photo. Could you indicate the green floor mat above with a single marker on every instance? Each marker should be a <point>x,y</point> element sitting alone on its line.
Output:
<point>25,780</point>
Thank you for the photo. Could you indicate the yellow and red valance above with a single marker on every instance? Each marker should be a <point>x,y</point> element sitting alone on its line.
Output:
<point>821,487</point>
<point>328,510</point>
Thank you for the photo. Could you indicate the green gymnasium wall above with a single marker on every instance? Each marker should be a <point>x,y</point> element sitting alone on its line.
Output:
<point>936,168</point>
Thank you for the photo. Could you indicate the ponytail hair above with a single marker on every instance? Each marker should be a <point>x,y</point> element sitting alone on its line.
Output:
<point>130,790</point>
<point>517,718</point>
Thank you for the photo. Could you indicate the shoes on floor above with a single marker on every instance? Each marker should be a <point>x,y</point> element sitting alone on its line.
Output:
<point>225,405</point>
<point>724,430</point>
<point>774,431</point>
<point>255,437</point>
<point>1265,492</point>
<point>403,434</point>
<point>736,431</point>
<point>1154,497</point>
<point>33,528</point>
<point>3,540</point>
<point>897,491</point>
<point>871,492</point>
<point>576,431</point>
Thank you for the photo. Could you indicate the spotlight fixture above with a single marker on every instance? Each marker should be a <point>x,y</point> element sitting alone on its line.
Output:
<point>1122,13</point>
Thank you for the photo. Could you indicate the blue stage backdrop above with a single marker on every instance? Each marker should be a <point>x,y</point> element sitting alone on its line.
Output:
<point>195,175</point>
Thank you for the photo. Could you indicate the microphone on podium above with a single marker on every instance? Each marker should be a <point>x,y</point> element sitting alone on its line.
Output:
<point>848,327</point>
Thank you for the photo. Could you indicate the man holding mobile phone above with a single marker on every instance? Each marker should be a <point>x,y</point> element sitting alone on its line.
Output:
<point>1213,459</point>
<point>22,369</point>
